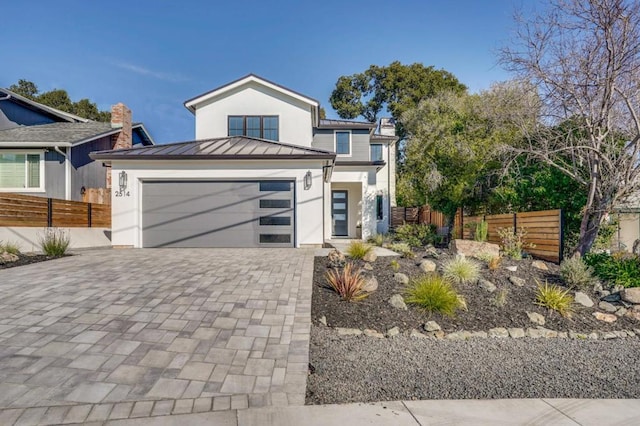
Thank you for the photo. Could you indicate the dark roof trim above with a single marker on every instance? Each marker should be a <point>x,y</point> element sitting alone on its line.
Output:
<point>66,116</point>
<point>345,124</point>
<point>101,155</point>
<point>361,163</point>
<point>239,80</point>
<point>377,136</point>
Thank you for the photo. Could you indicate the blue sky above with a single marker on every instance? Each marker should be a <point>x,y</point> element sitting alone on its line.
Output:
<point>154,55</point>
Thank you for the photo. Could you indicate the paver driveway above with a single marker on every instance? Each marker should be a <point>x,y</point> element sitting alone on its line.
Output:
<point>125,333</point>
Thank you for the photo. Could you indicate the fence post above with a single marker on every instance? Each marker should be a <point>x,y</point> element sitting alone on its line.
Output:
<point>49,212</point>
<point>89,214</point>
<point>515,223</point>
<point>561,235</point>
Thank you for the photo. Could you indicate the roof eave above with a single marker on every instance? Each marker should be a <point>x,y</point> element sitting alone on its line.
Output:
<point>119,157</point>
<point>34,144</point>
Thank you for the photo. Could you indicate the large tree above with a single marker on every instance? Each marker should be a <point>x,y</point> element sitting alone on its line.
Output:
<point>583,56</point>
<point>396,87</point>
<point>59,99</point>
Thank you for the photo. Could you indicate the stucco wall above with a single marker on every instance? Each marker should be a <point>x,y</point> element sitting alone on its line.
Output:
<point>367,202</point>
<point>629,230</point>
<point>126,211</point>
<point>254,99</point>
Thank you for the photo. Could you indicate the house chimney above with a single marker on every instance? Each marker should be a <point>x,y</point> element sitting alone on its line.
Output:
<point>121,118</point>
<point>387,126</point>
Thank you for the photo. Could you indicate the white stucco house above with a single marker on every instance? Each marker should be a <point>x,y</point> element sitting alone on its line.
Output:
<point>264,170</point>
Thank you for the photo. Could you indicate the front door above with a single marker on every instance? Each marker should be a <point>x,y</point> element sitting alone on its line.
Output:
<point>339,213</point>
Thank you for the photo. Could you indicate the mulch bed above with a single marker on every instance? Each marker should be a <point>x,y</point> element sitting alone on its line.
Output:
<point>27,259</point>
<point>482,314</point>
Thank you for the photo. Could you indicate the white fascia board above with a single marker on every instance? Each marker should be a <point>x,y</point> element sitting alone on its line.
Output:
<point>249,79</point>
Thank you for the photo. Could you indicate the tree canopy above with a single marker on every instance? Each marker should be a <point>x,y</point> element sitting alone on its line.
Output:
<point>59,99</point>
<point>396,87</point>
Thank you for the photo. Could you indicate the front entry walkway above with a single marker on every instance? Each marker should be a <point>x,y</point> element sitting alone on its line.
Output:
<point>114,334</point>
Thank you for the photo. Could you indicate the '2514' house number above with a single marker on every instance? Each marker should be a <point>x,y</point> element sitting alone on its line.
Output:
<point>122,183</point>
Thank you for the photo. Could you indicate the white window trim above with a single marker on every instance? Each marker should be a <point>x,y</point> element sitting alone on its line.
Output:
<point>41,188</point>
<point>335,143</point>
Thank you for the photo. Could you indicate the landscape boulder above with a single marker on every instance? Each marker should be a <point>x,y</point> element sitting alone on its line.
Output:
<point>600,316</point>
<point>8,257</point>
<point>520,282</point>
<point>582,299</point>
<point>631,295</point>
<point>370,284</point>
<point>536,318</point>
<point>367,266</point>
<point>401,278</point>
<point>398,302</point>
<point>336,259</point>
<point>539,264</point>
<point>371,256</point>
<point>431,326</point>
<point>427,265</point>
<point>607,307</point>
<point>486,285</point>
<point>475,248</point>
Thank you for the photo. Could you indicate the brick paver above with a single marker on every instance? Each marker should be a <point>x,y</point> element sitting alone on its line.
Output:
<point>128,333</point>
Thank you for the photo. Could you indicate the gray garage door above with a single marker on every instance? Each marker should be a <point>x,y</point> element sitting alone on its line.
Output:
<point>218,214</point>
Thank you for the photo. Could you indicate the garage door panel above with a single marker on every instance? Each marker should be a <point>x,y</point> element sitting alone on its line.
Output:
<point>217,214</point>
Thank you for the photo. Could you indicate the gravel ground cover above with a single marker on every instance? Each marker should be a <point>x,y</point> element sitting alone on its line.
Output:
<point>27,259</point>
<point>362,369</point>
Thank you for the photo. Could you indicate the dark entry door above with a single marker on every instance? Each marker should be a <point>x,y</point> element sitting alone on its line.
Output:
<point>339,213</point>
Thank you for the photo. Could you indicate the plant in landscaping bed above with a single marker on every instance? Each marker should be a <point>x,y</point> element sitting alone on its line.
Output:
<point>494,263</point>
<point>403,249</point>
<point>619,268</point>
<point>55,242</point>
<point>347,282</point>
<point>500,299</point>
<point>513,241</point>
<point>461,270</point>
<point>357,249</point>
<point>555,298</point>
<point>482,230</point>
<point>9,247</point>
<point>395,266</point>
<point>376,240</point>
<point>433,293</point>
<point>417,235</point>
<point>576,273</point>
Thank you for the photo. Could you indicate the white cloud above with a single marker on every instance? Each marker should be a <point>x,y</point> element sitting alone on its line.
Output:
<point>176,78</point>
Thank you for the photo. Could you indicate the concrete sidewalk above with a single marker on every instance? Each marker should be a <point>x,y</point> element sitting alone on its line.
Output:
<point>449,412</point>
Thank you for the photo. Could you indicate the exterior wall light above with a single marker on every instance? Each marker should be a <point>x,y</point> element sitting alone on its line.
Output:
<point>307,180</point>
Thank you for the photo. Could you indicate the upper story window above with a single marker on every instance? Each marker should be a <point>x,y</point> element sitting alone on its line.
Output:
<point>21,171</point>
<point>255,126</point>
<point>343,143</point>
<point>376,152</point>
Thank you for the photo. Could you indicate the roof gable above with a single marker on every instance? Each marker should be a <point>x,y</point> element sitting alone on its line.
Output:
<point>192,104</point>
<point>57,114</point>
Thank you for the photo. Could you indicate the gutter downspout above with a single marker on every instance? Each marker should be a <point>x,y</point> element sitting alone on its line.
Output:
<point>67,171</point>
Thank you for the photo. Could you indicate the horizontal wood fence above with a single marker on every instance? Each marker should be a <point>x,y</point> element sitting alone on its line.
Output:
<point>97,196</point>
<point>543,228</point>
<point>30,211</point>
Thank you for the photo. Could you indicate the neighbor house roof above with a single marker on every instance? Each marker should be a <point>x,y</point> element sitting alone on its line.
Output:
<point>379,137</point>
<point>67,116</point>
<point>235,147</point>
<point>345,124</point>
<point>62,134</point>
<point>191,103</point>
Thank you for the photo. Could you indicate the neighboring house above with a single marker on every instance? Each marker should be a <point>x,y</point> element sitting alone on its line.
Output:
<point>45,151</point>
<point>628,216</point>
<point>264,171</point>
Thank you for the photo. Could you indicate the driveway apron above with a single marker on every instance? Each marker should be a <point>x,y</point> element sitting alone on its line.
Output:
<point>125,333</point>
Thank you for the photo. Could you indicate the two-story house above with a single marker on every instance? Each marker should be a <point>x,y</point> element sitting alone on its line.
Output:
<point>264,171</point>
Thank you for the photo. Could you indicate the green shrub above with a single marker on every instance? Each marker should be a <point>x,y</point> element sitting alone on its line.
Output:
<point>347,282</point>
<point>357,249</point>
<point>376,240</point>
<point>619,268</point>
<point>576,273</point>
<point>500,299</point>
<point>416,235</point>
<point>9,247</point>
<point>54,242</point>
<point>461,270</point>
<point>395,266</point>
<point>433,293</point>
<point>403,249</point>
<point>513,242</point>
<point>555,298</point>
<point>482,231</point>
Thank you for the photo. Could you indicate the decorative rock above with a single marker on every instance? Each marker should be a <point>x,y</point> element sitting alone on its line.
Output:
<point>604,293</point>
<point>416,334</point>
<point>630,333</point>
<point>498,332</point>
<point>427,265</point>
<point>511,268</point>
<point>373,333</point>
<point>614,297</point>
<point>430,251</point>
<point>631,295</point>
<point>371,256</point>
<point>478,334</point>
<point>475,248</point>
<point>548,334</point>
<point>367,267</point>
<point>348,331</point>
<point>605,317</point>
<point>562,335</point>
<point>536,318</point>
<point>582,299</point>
<point>607,307</point>
<point>401,278</point>
<point>458,335</point>
<point>535,333</point>
<point>336,258</point>
<point>398,302</point>
<point>618,288</point>
<point>538,264</point>
<point>432,326</point>
<point>486,285</point>
<point>593,336</point>
<point>574,335</point>
<point>621,312</point>
<point>393,332</point>
<point>323,320</point>
<point>437,334</point>
<point>516,333</point>
<point>597,287</point>
<point>370,284</point>
<point>609,335</point>
<point>633,314</point>
<point>621,334</point>
<point>6,257</point>
<point>520,282</point>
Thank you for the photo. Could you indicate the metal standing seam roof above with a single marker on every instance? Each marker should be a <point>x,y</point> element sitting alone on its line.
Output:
<point>235,147</point>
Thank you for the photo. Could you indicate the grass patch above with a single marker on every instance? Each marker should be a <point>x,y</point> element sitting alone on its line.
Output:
<point>461,270</point>
<point>433,293</point>
<point>347,282</point>
<point>55,242</point>
<point>554,298</point>
<point>9,247</point>
<point>358,250</point>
